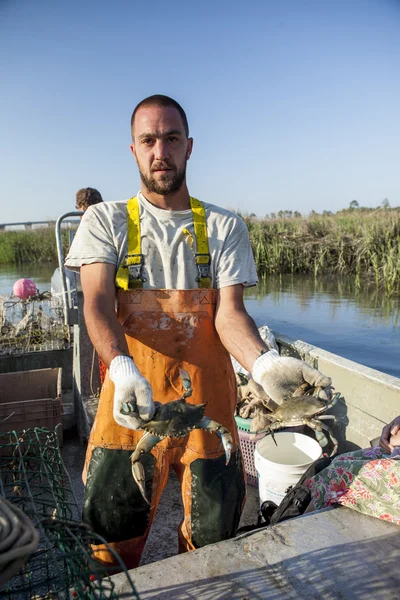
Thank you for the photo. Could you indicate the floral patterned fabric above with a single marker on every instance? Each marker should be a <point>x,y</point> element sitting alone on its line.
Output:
<point>366,480</point>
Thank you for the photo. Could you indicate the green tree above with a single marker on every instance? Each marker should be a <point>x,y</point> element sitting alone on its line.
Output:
<point>385,203</point>
<point>353,204</point>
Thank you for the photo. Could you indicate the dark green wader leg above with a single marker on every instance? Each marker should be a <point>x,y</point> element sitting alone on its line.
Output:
<point>113,506</point>
<point>218,493</point>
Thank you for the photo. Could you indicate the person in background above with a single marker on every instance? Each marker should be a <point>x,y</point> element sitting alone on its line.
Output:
<point>163,276</point>
<point>87,197</point>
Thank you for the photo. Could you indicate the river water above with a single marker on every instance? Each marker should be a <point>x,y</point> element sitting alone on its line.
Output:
<point>359,323</point>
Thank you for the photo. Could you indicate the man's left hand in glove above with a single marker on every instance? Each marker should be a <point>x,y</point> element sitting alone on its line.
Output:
<point>280,376</point>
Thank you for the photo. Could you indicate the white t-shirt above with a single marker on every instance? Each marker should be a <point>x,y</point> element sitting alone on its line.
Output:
<point>169,261</point>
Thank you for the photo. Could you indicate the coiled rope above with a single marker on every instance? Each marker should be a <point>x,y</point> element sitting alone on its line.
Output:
<point>18,539</point>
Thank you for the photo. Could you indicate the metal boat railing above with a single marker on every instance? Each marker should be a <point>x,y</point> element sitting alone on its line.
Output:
<point>70,312</point>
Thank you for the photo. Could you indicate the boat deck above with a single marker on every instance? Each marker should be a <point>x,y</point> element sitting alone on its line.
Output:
<point>163,539</point>
<point>333,554</point>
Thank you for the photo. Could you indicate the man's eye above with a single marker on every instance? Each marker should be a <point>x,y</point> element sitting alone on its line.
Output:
<point>173,138</point>
<point>147,141</point>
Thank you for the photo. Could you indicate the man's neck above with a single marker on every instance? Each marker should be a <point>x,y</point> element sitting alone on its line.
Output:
<point>179,200</point>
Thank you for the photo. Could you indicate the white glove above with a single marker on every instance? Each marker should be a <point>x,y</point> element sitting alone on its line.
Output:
<point>130,386</point>
<point>280,376</point>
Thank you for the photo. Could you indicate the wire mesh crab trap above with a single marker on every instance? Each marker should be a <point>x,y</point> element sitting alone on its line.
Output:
<point>32,325</point>
<point>33,480</point>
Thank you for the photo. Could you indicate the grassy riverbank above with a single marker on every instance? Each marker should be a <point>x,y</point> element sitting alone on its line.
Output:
<point>31,246</point>
<point>357,243</point>
<point>350,243</point>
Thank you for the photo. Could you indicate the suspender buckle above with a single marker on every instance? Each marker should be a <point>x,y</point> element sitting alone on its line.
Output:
<point>203,266</point>
<point>134,263</point>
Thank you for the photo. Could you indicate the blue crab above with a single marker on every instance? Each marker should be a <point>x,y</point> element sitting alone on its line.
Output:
<point>305,410</point>
<point>172,419</point>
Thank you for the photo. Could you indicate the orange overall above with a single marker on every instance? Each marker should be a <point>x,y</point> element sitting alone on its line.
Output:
<point>166,330</point>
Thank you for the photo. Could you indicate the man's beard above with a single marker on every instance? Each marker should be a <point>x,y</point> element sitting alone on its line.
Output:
<point>164,188</point>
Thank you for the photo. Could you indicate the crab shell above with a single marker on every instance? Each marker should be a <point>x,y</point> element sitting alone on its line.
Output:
<point>296,409</point>
<point>174,419</point>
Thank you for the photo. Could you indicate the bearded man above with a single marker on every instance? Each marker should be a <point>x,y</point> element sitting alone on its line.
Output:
<point>163,277</point>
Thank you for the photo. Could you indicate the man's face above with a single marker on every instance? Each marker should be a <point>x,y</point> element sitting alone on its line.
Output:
<point>161,149</point>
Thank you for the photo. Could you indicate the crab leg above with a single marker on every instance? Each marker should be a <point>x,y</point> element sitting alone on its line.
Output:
<point>270,431</point>
<point>329,430</point>
<point>321,438</point>
<point>222,433</point>
<point>146,443</point>
<point>334,440</point>
<point>186,382</point>
<point>324,417</point>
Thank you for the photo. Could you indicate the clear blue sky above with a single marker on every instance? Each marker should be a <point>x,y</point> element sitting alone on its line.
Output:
<point>293,104</point>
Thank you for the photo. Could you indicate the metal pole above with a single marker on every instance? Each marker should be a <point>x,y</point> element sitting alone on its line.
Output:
<point>60,254</point>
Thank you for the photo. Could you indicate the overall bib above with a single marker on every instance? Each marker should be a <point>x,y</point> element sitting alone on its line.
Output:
<point>166,330</point>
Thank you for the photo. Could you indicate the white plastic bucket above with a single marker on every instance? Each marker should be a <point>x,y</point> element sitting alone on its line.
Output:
<point>279,466</point>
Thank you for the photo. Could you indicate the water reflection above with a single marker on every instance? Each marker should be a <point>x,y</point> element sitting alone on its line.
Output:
<point>39,273</point>
<point>360,323</point>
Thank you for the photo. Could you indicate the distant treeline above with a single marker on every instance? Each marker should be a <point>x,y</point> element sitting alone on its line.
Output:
<point>353,207</point>
<point>361,243</point>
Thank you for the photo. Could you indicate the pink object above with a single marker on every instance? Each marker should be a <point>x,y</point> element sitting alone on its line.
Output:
<point>23,288</point>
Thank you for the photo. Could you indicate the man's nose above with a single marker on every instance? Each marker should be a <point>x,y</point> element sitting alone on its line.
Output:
<point>160,150</point>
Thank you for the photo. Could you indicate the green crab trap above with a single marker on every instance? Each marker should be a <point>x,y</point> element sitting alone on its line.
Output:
<point>45,549</point>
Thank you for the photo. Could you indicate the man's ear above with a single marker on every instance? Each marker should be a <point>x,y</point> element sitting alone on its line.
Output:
<point>189,148</point>
<point>132,147</point>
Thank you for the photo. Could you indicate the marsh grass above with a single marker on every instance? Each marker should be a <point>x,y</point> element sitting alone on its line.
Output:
<point>361,245</point>
<point>32,246</point>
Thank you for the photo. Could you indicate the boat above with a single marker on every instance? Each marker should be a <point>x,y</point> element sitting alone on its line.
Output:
<point>334,553</point>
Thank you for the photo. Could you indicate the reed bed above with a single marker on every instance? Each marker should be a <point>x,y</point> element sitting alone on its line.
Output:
<point>357,243</point>
<point>31,246</point>
<point>364,245</point>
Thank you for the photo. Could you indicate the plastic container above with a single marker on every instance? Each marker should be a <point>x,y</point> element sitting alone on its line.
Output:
<point>282,465</point>
<point>31,399</point>
<point>56,288</point>
<point>248,445</point>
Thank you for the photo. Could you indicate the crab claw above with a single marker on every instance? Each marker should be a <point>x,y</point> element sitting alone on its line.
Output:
<point>127,408</point>
<point>146,443</point>
<point>227,442</point>
<point>139,476</point>
<point>187,384</point>
<point>222,433</point>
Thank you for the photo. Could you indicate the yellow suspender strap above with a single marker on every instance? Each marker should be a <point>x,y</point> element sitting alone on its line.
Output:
<point>129,274</point>
<point>203,257</point>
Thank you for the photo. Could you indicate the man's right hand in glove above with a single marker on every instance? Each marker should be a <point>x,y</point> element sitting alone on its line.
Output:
<point>130,386</point>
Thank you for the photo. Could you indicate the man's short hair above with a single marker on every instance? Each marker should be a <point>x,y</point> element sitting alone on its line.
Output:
<point>160,100</point>
<point>87,197</point>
